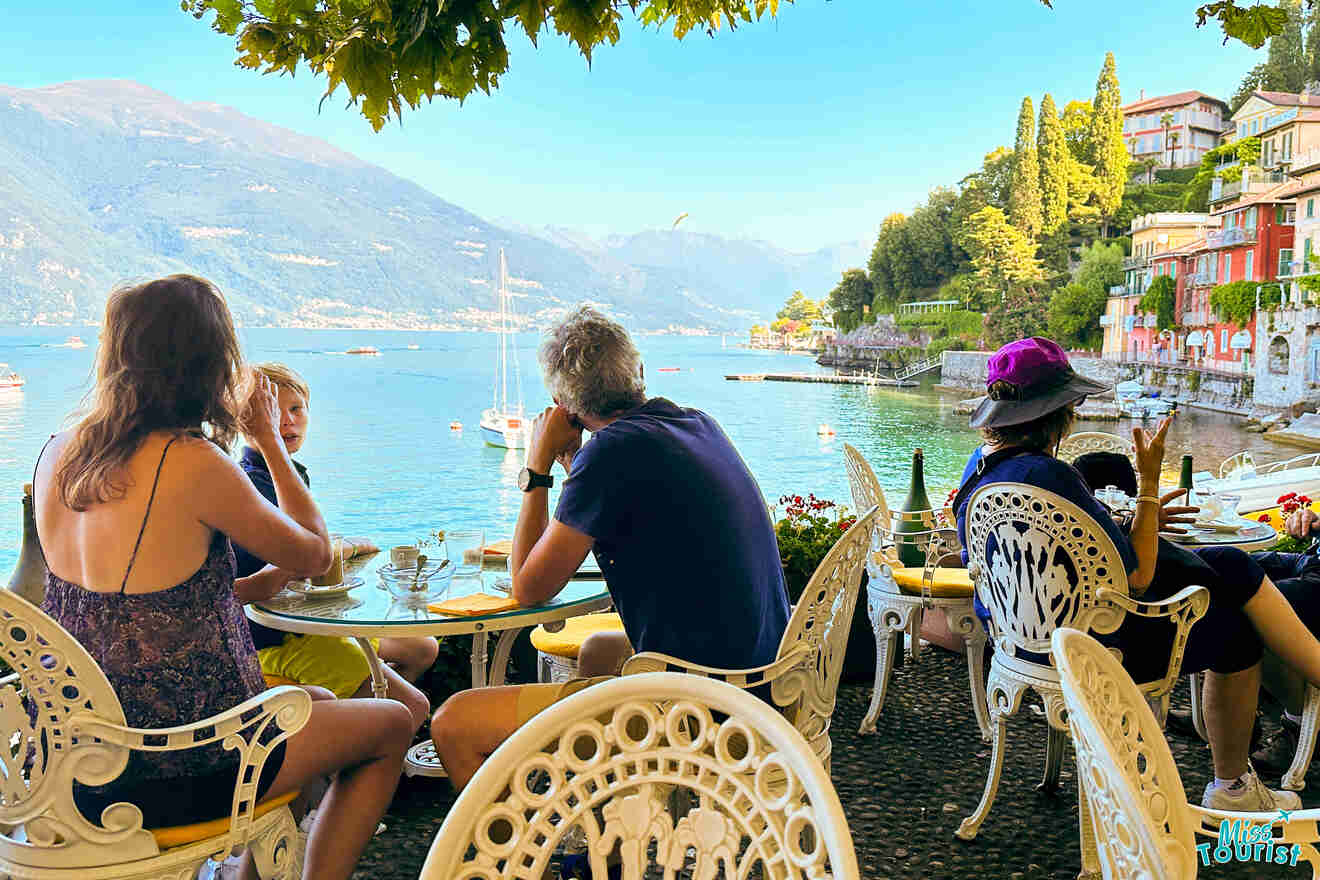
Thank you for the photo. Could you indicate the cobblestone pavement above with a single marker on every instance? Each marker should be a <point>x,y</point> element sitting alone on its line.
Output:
<point>904,790</point>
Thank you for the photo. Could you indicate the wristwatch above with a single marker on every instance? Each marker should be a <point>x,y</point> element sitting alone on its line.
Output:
<point>529,479</point>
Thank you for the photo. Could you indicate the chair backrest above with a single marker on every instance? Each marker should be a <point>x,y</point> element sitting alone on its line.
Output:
<point>1075,445</point>
<point>1037,560</point>
<point>819,628</point>
<point>866,491</point>
<point>1243,462</point>
<point>1138,808</point>
<point>37,766</point>
<point>605,761</point>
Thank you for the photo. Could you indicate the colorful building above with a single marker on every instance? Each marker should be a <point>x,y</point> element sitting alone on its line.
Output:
<point>1195,123</point>
<point>1153,235</point>
<point>1288,125</point>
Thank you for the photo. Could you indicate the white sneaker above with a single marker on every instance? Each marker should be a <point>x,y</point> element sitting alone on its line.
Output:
<point>1253,797</point>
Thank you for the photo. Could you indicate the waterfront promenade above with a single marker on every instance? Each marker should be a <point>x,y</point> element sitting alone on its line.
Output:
<point>822,379</point>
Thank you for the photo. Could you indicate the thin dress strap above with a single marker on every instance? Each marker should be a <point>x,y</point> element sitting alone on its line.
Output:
<point>142,531</point>
<point>37,531</point>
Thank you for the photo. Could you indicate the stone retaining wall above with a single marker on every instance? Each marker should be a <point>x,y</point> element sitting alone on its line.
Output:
<point>966,369</point>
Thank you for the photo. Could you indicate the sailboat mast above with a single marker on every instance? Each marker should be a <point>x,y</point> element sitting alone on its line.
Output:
<point>504,338</point>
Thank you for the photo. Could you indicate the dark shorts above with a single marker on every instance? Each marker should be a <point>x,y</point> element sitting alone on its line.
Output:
<point>1223,641</point>
<point>168,802</point>
<point>1297,575</point>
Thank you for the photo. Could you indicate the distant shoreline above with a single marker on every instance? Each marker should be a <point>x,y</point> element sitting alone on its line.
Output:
<point>392,328</point>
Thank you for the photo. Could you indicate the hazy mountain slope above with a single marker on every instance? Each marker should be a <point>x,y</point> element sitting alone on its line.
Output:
<point>103,181</point>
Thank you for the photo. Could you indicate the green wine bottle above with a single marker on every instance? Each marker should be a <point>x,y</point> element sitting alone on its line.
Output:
<point>1185,478</point>
<point>29,577</point>
<point>913,516</point>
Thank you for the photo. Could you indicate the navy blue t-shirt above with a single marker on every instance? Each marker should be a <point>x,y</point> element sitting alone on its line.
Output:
<point>683,537</point>
<point>255,467</point>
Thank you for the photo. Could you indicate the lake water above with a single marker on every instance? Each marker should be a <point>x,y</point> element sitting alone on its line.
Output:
<point>385,464</point>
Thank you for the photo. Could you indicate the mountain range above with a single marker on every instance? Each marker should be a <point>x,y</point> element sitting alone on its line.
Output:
<point>109,180</point>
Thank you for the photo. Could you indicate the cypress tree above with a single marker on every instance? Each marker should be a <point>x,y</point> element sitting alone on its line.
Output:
<point>1024,190</point>
<point>1105,141</point>
<point>1052,152</point>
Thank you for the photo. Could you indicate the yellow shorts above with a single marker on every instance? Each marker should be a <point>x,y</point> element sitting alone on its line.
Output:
<point>536,698</point>
<point>334,663</point>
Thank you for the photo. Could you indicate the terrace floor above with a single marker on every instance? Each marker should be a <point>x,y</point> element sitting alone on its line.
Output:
<point>905,789</point>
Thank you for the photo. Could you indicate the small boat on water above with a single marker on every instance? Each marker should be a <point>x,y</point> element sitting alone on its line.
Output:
<point>1132,402</point>
<point>503,425</point>
<point>667,369</point>
<point>455,426</point>
<point>824,430</point>
<point>368,350</point>
<point>413,346</point>
<point>74,342</point>
<point>1260,485</point>
<point>10,379</point>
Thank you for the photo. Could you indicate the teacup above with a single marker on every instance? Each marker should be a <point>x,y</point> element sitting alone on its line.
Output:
<point>404,556</point>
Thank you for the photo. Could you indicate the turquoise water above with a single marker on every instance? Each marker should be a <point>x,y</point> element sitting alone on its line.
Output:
<point>385,464</point>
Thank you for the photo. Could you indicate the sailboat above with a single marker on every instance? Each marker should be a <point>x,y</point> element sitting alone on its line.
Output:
<point>504,425</point>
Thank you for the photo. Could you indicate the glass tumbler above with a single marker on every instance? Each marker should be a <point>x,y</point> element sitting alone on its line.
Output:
<point>465,547</point>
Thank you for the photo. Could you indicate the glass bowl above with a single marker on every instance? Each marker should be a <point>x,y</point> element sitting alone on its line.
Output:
<point>431,585</point>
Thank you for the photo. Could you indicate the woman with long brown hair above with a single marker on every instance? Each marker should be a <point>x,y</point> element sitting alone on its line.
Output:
<point>135,508</point>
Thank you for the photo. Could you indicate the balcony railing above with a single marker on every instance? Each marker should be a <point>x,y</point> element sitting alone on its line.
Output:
<point>1119,290</point>
<point>1106,320</point>
<point>1203,279</point>
<point>1194,319</point>
<point>1152,321</point>
<point>1135,262</point>
<point>1230,236</point>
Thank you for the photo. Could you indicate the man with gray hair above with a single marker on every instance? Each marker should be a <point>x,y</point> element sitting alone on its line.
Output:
<point>675,519</point>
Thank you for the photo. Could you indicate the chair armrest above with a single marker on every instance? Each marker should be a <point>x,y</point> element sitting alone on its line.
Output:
<point>1183,608</point>
<point>240,728</point>
<point>654,661</point>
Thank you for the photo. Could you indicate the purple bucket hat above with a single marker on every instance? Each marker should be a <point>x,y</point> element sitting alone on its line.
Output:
<point>1042,381</point>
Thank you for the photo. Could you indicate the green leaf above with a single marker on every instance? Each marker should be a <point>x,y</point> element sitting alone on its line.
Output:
<point>1252,25</point>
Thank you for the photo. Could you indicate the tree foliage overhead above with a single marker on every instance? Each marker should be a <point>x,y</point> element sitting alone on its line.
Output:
<point>1024,192</point>
<point>1251,22</point>
<point>1291,62</point>
<point>1052,153</point>
<point>388,53</point>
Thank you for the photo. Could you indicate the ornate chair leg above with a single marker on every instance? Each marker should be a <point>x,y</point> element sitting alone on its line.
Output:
<point>972,824</point>
<point>1198,710</point>
<point>1091,869</point>
<point>914,633</point>
<point>1054,747</point>
<point>278,852</point>
<point>1295,778</point>
<point>887,646</point>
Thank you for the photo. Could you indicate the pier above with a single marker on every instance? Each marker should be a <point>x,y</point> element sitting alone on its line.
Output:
<point>821,378</point>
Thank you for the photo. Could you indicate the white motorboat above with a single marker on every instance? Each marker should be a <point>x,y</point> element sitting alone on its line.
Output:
<point>504,424</point>
<point>1260,485</point>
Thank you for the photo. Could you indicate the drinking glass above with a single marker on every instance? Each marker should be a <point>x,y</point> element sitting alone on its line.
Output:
<point>1230,504</point>
<point>335,576</point>
<point>464,547</point>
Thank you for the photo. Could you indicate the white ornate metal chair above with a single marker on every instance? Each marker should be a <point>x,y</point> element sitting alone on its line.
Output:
<point>1040,562</point>
<point>1082,442</point>
<point>80,735</point>
<point>1136,821</point>
<point>897,596</point>
<point>1243,461</point>
<point>605,763</point>
<point>804,678</point>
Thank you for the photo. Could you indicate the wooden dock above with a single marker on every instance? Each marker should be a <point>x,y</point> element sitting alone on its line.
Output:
<point>821,378</point>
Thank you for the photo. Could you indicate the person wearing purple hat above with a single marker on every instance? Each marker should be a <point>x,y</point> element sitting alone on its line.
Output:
<point>1031,396</point>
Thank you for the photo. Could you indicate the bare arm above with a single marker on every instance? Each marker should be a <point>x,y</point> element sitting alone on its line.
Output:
<point>1146,523</point>
<point>261,585</point>
<point>546,553</point>
<point>229,503</point>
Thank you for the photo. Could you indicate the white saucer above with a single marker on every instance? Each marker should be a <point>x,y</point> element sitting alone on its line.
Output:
<point>305,588</point>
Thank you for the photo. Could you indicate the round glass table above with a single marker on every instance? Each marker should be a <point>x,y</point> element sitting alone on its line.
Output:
<point>1250,536</point>
<point>369,611</point>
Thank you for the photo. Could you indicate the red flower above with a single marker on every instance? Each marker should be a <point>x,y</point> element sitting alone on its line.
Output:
<point>1264,517</point>
<point>797,499</point>
<point>1302,499</point>
<point>1289,497</point>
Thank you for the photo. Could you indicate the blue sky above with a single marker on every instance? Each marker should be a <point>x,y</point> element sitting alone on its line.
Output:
<point>803,131</point>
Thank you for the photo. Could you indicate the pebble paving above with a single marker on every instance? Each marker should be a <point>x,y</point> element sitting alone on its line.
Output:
<point>905,789</point>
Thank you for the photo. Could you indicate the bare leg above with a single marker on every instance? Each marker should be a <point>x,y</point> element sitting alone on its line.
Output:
<point>1230,712</point>
<point>603,653</point>
<point>470,725</point>
<point>362,743</point>
<point>1283,632</point>
<point>412,657</point>
<point>1286,685</point>
<point>399,689</point>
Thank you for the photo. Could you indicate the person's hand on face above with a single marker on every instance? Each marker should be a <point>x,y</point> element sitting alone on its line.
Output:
<point>261,413</point>
<point>1150,451</point>
<point>1302,522</point>
<point>556,436</point>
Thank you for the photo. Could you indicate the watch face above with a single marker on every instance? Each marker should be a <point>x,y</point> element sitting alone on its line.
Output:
<point>524,479</point>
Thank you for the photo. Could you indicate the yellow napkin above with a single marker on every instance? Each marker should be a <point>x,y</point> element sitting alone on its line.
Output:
<point>474,605</point>
<point>500,548</point>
